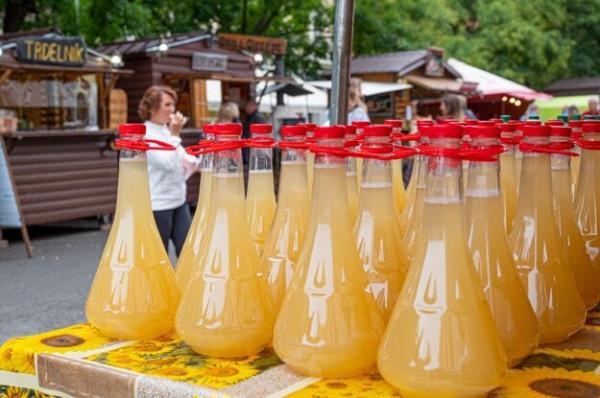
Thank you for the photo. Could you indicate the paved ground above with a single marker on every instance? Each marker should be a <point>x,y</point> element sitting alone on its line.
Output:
<point>48,290</point>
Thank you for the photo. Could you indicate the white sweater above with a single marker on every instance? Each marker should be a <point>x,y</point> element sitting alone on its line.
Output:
<point>168,170</point>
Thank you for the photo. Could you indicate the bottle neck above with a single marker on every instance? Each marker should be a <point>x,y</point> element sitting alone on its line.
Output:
<point>207,160</point>
<point>443,175</point>
<point>376,173</point>
<point>559,162</point>
<point>132,153</point>
<point>484,177</point>
<point>261,159</point>
<point>228,161</point>
<point>325,160</point>
<point>293,155</point>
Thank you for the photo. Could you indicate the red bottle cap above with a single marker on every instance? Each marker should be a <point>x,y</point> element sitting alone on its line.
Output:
<point>448,121</point>
<point>472,122</point>
<point>129,129</point>
<point>508,127</point>
<point>483,130</point>
<point>261,128</point>
<point>393,122</point>
<point>535,130</point>
<point>590,126</point>
<point>227,129</point>
<point>532,122</point>
<point>378,130</point>
<point>496,120</point>
<point>574,124</point>
<point>445,131</point>
<point>330,132</point>
<point>310,126</point>
<point>555,122</point>
<point>361,124</point>
<point>559,131</point>
<point>297,130</point>
<point>350,130</point>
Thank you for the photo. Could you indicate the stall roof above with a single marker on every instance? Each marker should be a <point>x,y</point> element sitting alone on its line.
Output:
<point>440,84</point>
<point>575,86</point>
<point>491,84</point>
<point>145,44</point>
<point>400,62</point>
<point>368,88</point>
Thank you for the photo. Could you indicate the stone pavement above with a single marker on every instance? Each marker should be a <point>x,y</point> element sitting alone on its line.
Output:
<point>49,290</point>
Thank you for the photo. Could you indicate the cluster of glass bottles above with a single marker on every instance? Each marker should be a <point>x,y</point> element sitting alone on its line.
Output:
<point>432,284</point>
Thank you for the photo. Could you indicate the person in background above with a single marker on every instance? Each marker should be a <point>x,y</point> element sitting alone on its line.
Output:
<point>593,108</point>
<point>532,110</point>
<point>228,113</point>
<point>253,116</point>
<point>167,170</point>
<point>451,107</point>
<point>469,114</point>
<point>357,109</point>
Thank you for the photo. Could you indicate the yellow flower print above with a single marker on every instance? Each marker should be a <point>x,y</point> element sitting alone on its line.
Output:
<point>16,354</point>
<point>548,383</point>
<point>369,385</point>
<point>220,374</point>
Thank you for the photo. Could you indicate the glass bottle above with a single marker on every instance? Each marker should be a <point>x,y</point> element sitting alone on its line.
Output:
<point>571,239</point>
<point>535,243</point>
<point>329,324</point>
<point>286,238</point>
<point>400,196</point>
<point>576,134</point>
<point>587,198</point>
<point>378,235</point>
<point>134,293</point>
<point>310,157</point>
<point>508,182</point>
<point>351,179</point>
<point>416,181</point>
<point>441,340</point>
<point>192,248</point>
<point>260,199</point>
<point>225,310</point>
<point>360,127</point>
<point>486,238</point>
<point>415,221</point>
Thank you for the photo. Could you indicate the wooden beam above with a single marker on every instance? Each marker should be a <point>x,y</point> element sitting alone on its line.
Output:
<point>5,75</point>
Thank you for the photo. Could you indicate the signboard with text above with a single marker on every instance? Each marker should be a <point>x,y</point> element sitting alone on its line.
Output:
<point>253,44</point>
<point>209,62</point>
<point>66,51</point>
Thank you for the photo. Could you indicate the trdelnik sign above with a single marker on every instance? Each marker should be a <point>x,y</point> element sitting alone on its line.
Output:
<point>66,51</point>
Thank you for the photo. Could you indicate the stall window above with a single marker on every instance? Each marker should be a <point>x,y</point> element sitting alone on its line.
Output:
<point>51,100</point>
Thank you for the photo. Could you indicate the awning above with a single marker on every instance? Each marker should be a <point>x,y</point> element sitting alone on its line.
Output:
<point>490,84</point>
<point>368,88</point>
<point>291,89</point>
<point>441,84</point>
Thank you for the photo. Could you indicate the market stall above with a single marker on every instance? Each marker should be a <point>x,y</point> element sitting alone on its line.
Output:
<point>193,64</point>
<point>58,163</point>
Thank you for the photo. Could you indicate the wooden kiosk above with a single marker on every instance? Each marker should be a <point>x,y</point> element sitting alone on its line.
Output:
<point>57,161</point>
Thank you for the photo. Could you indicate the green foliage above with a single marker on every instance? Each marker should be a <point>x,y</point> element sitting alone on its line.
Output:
<point>533,42</point>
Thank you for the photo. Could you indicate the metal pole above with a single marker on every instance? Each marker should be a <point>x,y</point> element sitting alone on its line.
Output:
<point>342,49</point>
<point>279,72</point>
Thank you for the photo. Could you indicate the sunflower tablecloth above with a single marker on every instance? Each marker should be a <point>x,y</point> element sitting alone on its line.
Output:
<point>79,361</point>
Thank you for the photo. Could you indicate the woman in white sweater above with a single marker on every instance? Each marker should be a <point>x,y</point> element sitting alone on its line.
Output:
<point>167,170</point>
